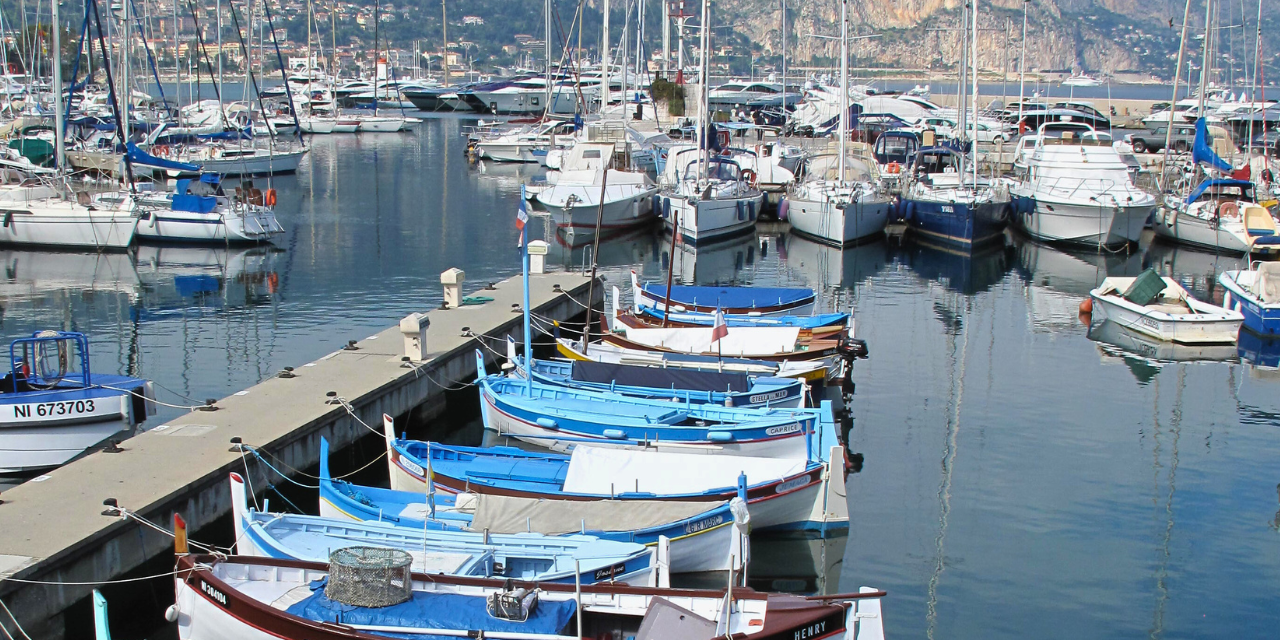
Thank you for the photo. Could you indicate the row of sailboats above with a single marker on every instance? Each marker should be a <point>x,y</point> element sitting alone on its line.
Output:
<point>45,209</point>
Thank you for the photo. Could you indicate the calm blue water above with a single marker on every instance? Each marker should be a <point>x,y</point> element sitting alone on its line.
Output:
<point>1021,478</point>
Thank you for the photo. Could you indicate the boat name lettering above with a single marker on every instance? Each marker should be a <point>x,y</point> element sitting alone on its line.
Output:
<point>783,430</point>
<point>216,595</point>
<point>412,467</point>
<point>946,208</point>
<point>768,397</point>
<point>703,524</point>
<point>794,483</point>
<point>68,408</point>
<point>609,572</point>
<point>811,631</point>
<point>1154,324</point>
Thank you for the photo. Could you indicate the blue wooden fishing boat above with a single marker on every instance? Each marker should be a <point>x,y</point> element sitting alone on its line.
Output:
<point>680,385</point>
<point>653,310</point>
<point>53,407</point>
<point>702,536</point>
<point>523,556</point>
<point>560,417</point>
<point>729,300</point>
<point>1255,293</point>
<point>781,494</point>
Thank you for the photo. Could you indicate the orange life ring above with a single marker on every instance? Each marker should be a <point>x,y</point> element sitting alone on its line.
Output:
<point>162,150</point>
<point>749,176</point>
<point>270,198</point>
<point>894,167</point>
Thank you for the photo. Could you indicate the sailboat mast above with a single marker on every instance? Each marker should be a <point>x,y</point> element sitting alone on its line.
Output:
<point>784,58</point>
<point>377,61</point>
<point>126,99</point>
<point>704,71</point>
<point>1204,63</point>
<point>547,36</point>
<point>60,150</point>
<point>1022,63</point>
<point>844,81</point>
<point>218,8</point>
<point>1253,86</point>
<point>444,45</point>
<point>962,84</point>
<point>606,53</point>
<point>973,99</point>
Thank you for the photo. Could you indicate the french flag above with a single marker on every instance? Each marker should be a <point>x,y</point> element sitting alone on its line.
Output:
<point>522,216</point>
<point>719,329</point>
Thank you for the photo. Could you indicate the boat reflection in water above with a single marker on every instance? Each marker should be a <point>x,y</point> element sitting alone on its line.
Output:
<point>1197,271</point>
<point>721,262</point>
<point>1057,281</point>
<point>178,280</point>
<point>967,272</point>
<point>45,278</point>
<point>1260,351</point>
<point>790,563</point>
<point>1145,356</point>
<point>823,267</point>
<point>624,247</point>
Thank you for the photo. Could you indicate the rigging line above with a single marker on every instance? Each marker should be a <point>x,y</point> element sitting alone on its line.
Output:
<point>258,451</point>
<point>253,79</point>
<point>60,583</point>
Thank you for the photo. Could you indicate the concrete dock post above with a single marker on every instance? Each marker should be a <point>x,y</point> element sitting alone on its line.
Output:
<point>537,257</point>
<point>452,281</point>
<point>414,329</point>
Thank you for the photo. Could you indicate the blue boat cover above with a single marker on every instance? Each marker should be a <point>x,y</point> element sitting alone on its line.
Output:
<point>433,611</point>
<point>196,204</point>
<point>138,156</point>
<point>1202,153</point>
<point>659,378</point>
<point>731,297</point>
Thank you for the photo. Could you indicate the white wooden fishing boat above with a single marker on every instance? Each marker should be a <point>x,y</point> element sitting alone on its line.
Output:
<point>220,598</point>
<point>1173,314</point>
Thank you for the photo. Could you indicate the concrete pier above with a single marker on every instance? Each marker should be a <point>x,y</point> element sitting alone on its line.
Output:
<point>53,530</point>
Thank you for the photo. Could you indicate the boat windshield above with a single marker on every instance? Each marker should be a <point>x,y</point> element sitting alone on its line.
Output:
<point>46,360</point>
<point>1234,190</point>
<point>896,148</point>
<point>716,170</point>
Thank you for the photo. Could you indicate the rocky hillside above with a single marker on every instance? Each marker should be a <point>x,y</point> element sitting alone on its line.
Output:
<point>1096,36</point>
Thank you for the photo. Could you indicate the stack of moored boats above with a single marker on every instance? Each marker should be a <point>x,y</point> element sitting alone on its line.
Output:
<point>641,471</point>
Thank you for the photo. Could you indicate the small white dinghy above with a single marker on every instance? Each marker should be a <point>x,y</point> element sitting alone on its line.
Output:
<point>1159,307</point>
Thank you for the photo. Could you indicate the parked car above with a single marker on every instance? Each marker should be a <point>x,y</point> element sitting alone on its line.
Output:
<point>1153,139</point>
<point>946,130</point>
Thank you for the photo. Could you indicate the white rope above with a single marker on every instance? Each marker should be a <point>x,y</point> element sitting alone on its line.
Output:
<point>135,393</point>
<point>15,622</point>
<point>60,583</point>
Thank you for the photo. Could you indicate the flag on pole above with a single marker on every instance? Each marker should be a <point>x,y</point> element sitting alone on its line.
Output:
<point>719,329</point>
<point>522,216</point>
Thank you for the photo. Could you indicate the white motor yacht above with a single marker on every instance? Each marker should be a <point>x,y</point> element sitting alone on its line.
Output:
<point>1079,190</point>
<point>574,200</point>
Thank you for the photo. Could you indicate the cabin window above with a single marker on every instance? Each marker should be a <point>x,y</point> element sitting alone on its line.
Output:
<point>591,154</point>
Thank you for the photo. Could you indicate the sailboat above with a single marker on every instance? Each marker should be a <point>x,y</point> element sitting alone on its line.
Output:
<point>61,221</point>
<point>841,203</point>
<point>707,197</point>
<point>943,197</point>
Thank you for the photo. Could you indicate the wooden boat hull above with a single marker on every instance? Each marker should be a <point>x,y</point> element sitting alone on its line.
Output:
<point>212,603</point>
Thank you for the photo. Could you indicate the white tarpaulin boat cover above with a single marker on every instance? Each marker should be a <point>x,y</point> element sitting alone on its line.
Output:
<point>598,470</point>
<point>740,341</point>
<point>506,514</point>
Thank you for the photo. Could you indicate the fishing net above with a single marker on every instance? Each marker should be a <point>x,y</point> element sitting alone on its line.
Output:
<point>369,576</point>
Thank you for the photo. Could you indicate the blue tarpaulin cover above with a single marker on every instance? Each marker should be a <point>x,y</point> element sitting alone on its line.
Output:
<point>138,156</point>
<point>196,204</point>
<point>731,297</point>
<point>1217,183</point>
<point>1201,153</point>
<point>434,611</point>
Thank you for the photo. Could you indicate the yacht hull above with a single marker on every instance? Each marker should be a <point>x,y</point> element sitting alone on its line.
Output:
<point>956,223</point>
<point>1085,224</point>
<point>66,225</point>
<point>704,221</point>
<point>838,224</point>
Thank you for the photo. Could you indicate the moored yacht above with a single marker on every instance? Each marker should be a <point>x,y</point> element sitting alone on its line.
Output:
<point>1077,189</point>
<point>574,200</point>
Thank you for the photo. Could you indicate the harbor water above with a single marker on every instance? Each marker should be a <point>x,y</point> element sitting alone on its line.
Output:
<point>1024,474</point>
